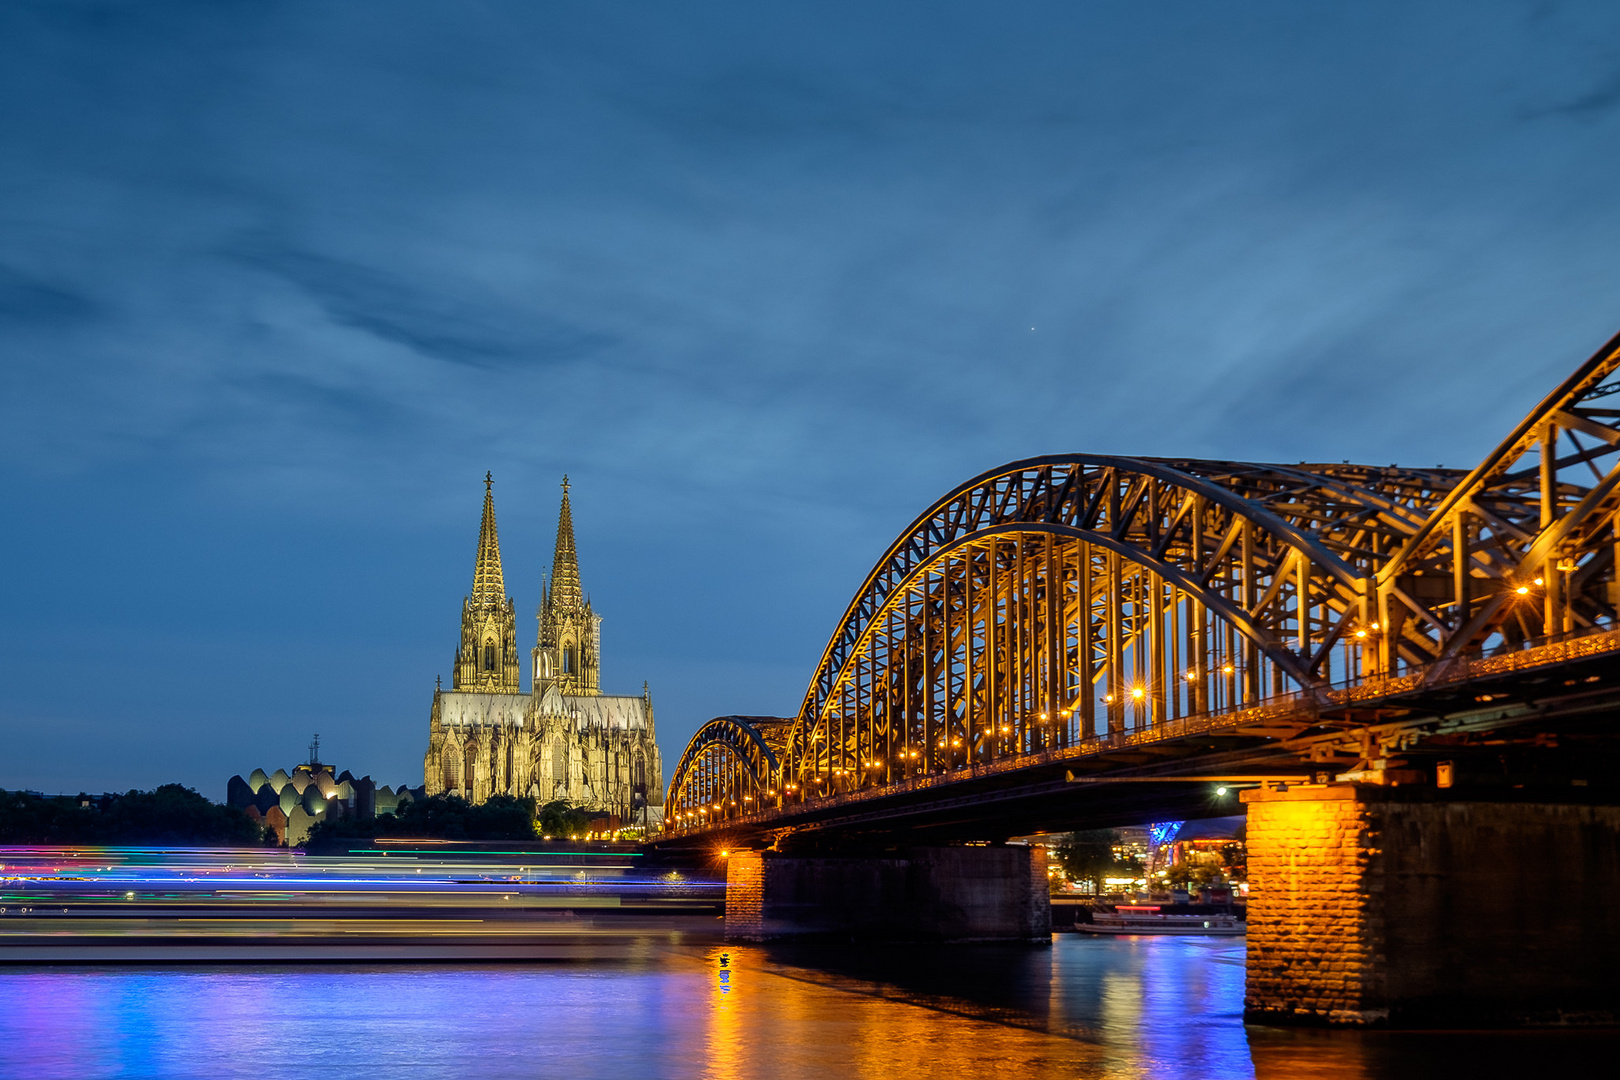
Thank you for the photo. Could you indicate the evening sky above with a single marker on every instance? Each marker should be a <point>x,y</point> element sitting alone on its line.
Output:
<point>280,281</point>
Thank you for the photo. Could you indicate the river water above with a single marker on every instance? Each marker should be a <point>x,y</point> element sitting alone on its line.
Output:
<point>687,1005</point>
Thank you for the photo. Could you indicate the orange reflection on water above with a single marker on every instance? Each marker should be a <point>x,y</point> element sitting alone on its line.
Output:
<point>765,1018</point>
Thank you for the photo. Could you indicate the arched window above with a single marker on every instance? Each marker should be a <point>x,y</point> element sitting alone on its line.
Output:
<point>640,776</point>
<point>511,771</point>
<point>467,772</point>
<point>559,760</point>
<point>489,656</point>
<point>450,761</point>
<point>568,658</point>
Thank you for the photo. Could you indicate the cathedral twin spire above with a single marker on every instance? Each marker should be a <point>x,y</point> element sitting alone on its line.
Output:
<point>567,651</point>
<point>489,587</point>
<point>565,589</point>
<point>488,658</point>
<point>567,648</point>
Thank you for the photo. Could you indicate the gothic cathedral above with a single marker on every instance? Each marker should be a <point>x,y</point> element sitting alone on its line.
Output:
<point>564,739</point>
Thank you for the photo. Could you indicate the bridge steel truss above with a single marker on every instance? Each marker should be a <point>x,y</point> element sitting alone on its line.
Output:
<point>1058,599</point>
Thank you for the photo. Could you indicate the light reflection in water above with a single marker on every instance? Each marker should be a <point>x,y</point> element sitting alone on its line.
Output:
<point>1119,1008</point>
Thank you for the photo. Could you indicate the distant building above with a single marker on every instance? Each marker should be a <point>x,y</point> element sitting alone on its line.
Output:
<point>290,803</point>
<point>565,739</point>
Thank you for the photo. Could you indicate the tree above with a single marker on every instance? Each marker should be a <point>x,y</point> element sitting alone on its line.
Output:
<point>438,817</point>
<point>561,819</point>
<point>1089,856</point>
<point>170,814</point>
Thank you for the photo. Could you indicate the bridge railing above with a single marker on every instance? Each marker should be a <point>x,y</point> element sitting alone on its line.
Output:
<point>1478,663</point>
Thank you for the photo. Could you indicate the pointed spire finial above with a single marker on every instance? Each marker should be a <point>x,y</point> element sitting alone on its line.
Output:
<point>489,585</point>
<point>565,590</point>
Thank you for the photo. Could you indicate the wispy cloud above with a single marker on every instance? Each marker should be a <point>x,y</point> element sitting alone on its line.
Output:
<point>764,280</point>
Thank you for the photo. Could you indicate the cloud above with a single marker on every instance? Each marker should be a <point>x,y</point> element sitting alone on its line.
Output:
<point>30,303</point>
<point>1599,100</point>
<point>430,321</point>
<point>762,279</point>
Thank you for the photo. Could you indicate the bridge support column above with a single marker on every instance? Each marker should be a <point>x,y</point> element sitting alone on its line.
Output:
<point>1405,907</point>
<point>940,894</point>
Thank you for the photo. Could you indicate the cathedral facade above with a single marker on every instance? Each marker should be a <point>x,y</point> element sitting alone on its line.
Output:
<point>564,738</point>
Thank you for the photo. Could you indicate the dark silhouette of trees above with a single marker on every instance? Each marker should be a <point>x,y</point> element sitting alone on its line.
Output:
<point>1089,856</point>
<point>170,814</point>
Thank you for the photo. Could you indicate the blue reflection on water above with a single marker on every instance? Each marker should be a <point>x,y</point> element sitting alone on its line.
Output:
<point>1129,1007</point>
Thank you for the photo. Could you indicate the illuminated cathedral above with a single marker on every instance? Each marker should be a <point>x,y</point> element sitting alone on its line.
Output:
<point>564,739</point>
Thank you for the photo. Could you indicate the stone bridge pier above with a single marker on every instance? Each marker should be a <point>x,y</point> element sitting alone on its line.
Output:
<point>1408,907</point>
<point>922,893</point>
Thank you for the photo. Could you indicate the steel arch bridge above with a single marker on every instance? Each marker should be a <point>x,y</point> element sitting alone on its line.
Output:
<point>1081,600</point>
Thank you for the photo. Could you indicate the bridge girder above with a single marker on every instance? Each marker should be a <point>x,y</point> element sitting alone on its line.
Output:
<point>1061,598</point>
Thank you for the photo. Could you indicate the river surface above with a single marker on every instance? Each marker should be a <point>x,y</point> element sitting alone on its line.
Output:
<point>685,1005</point>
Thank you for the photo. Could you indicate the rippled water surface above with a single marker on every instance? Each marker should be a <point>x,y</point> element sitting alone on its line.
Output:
<point>1147,1007</point>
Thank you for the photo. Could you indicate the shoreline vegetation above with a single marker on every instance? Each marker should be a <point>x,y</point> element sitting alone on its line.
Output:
<point>168,814</point>
<point>175,814</point>
<point>450,817</point>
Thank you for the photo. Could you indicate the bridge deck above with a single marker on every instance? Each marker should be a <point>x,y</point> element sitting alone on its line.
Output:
<point>1565,687</point>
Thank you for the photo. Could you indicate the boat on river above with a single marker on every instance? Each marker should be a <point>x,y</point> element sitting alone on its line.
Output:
<point>1148,919</point>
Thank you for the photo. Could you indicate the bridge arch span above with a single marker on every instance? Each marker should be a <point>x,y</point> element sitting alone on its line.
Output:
<point>1537,515</point>
<point>1061,599</point>
<point>726,769</point>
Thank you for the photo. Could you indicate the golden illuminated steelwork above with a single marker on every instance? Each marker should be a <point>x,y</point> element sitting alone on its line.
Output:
<point>1129,596</point>
<point>727,768</point>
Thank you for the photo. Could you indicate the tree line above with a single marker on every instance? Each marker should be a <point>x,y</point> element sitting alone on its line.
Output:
<point>175,814</point>
<point>450,817</point>
<point>169,814</point>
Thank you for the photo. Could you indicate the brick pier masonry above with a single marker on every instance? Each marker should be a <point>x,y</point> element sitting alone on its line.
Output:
<point>933,893</point>
<point>1406,907</point>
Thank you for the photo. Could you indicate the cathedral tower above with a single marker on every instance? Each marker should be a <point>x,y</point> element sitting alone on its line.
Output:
<point>488,658</point>
<point>567,654</point>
